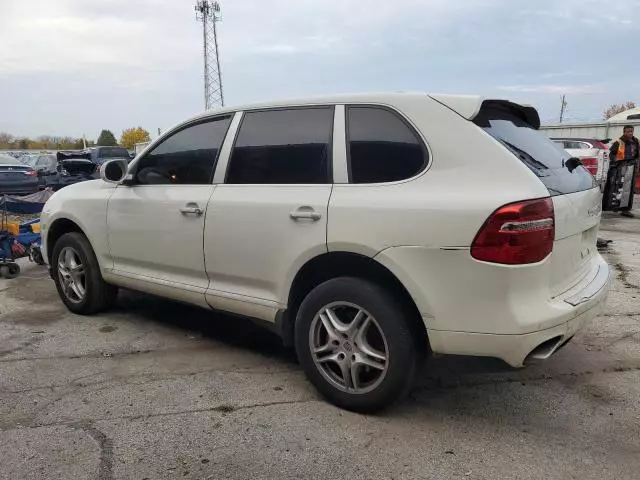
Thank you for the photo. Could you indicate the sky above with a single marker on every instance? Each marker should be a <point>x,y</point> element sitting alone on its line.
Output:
<point>74,67</point>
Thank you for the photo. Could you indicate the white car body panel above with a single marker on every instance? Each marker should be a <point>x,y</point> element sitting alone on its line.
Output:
<point>85,204</point>
<point>243,253</point>
<point>367,218</point>
<point>253,248</point>
<point>151,240</point>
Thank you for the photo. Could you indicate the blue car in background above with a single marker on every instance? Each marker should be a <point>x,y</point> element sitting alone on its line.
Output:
<point>17,178</point>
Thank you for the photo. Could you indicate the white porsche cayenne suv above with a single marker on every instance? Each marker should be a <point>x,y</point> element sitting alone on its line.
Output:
<point>367,230</point>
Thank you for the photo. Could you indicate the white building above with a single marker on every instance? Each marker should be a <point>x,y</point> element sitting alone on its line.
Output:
<point>139,147</point>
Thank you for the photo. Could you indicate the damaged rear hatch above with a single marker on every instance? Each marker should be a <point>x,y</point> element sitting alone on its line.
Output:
<point>76,164</point>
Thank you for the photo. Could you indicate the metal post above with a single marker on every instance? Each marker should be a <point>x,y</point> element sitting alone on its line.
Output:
<point>205,58</point>
<point>208,12</point>
<point>563,108</point>
<point>215,40</point>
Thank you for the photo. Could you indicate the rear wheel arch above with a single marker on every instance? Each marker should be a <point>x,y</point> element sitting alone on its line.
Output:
<point>333,265</point>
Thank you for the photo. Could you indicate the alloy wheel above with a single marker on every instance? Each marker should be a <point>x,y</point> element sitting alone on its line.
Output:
<point>348,347</point>
<point>71,273</point>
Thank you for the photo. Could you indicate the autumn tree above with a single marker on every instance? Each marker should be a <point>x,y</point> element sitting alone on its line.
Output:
<point>44,141</point>
<point>107,139</point>
<point>616,109</point>
<point>131,136</point>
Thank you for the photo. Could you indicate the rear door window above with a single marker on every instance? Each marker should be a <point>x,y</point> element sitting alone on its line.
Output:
<point>548,160</point>
<point>283,146</point>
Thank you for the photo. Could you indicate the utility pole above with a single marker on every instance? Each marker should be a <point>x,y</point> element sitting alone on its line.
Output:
<point>563,108</point>
<point>208,12</point>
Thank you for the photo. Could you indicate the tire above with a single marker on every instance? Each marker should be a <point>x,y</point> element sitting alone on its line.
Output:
<point>97,294</point>
<point>353,298</point>
<point>9,271</point>
<point>36,256</point>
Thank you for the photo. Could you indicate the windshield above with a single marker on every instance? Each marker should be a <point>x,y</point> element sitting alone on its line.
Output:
<point>9,160</point>
<point>545,158</point>
<point>113,152</point>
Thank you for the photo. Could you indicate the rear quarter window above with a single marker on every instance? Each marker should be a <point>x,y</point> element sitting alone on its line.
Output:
<point>382,147</point>
<point>547,159</point>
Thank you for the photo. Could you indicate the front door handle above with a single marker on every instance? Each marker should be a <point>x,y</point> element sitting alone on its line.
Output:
<point>191,209</point>
<point>305,213</point>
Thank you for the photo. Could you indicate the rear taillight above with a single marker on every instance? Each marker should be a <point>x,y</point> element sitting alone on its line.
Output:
<point>31,173</point>
<point>591,164</point>
<point>516,234</point>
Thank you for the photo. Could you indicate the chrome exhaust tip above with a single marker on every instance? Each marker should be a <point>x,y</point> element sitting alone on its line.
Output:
<point>545,350</point>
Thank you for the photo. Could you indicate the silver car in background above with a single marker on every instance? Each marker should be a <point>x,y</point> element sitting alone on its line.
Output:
<point>593,154</point>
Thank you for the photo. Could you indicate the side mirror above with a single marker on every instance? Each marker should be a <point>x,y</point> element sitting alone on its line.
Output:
<point>114,171</point>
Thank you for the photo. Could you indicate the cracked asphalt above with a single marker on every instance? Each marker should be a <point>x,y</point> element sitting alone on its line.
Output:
<point>158,390</point>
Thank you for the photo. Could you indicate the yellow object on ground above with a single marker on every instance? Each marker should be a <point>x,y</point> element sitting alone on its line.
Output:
<point>13,228</point>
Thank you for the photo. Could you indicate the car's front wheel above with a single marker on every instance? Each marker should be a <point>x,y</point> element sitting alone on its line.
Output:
<point>355,345</point>
<point>76,273</point>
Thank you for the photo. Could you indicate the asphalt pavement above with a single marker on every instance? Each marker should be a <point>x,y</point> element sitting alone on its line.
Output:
<point>158,390</point>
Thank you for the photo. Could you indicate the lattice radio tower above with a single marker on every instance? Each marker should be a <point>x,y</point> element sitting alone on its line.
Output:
<point>208,12</point>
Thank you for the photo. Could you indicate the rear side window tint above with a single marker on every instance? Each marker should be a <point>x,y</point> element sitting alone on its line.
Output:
<point>382,147</point>
<point>284,146</point>
<point>548,160</point>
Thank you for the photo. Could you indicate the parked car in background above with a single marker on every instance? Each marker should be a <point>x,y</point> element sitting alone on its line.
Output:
<point>101,154</point>
<point>65,168</point>
<point>29,160</point>
<point>44,164</point>
<point>17,178</point>
<point>593,154</point>
<point>366,247</point>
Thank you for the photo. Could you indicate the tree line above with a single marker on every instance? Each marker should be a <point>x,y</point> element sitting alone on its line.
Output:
<point>129,137</point>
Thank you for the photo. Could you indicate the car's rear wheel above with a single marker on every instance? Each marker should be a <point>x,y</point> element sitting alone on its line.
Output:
<point>355,345</point>
<point>77,276</point>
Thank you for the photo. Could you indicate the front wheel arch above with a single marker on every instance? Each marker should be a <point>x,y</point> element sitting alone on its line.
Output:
<point>56,230</point>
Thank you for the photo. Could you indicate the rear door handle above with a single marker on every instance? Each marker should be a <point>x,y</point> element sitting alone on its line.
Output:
<point>305,213</point>
<point>191,209</point>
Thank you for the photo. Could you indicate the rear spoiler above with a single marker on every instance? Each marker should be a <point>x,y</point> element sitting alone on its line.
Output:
<point>71,155</point>
<point>470,106</point>
<point>525,113</point>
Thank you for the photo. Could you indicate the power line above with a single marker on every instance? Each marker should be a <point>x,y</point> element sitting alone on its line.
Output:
<point>208,12</point>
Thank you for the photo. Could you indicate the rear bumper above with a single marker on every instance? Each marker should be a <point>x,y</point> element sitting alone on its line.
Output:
<point>471,308</point>
<point>515,350</point>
